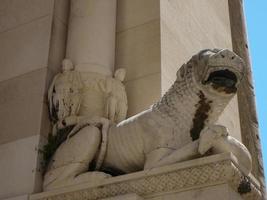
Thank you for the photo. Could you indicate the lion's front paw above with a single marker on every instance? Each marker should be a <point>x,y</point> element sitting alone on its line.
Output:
<point>209,135</point>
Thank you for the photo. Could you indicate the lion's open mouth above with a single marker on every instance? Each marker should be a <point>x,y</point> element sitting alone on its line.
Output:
<point>223,80</point>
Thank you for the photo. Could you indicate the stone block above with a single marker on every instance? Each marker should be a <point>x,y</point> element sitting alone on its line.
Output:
<point>21,197</point>
<point>142,93</point>
<point>31,42</point>
<point>21,101</point>
<point>207,178</point>
<point>218,192</point>
<point>134,13</point>
<point>138,50</point>
<point>125,197</point>
<point>57,49</point>
<point>16,13</point>
<point>61,10</point>
<point>18,166</point>
<point>186,28</point>
<point>230,119</point>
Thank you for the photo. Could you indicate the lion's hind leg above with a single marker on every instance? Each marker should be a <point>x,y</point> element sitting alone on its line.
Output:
<point>72,159</point>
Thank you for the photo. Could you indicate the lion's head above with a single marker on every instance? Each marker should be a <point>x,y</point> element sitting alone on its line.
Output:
<point>216,72</point>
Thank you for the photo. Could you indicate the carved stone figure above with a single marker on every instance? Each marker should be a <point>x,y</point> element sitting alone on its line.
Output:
<point>181,126</point>
<point>116,105</point>
<point>64,94</point>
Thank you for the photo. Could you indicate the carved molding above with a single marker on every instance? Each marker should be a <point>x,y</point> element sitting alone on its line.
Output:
<point>203,172</point>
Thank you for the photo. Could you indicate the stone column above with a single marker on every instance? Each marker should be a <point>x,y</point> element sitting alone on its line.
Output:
<point>91,35</point>
<point>91,47</point>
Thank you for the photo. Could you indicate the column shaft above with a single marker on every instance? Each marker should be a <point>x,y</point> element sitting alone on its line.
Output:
<point>91,35</point>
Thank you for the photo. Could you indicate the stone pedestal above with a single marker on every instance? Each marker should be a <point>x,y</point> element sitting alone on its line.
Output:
<point>214,177</point>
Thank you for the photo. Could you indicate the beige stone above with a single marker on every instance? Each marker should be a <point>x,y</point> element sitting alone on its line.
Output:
<point>125,197</point>
<point>218,192</point>
<point>179,127</point>
<point>142,93</point>
<point>141,51</point>
<point>45,127</point>
<point>25,37</point>
<point>246,95</point>
<point>57,52</point>
<point>152,83</point>
<point>230,119</point>
<point>31,41</point>
<point>21,103</point>
<point>57,49</point>
<point>190,30</point>
<point>131,14</point>
<point>61,10</point>
<point>215,176</point>
<point>91,35</point>
<point>116,104</point>
<point>138,50</point>
<point>186,27</point>
<point>18,13</point>
<point>22,197</point>
<point>19,169</point>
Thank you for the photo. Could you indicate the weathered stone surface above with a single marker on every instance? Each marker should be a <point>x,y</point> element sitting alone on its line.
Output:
<point>20,96</point>
<point>19,167</point>
<point>125,197</point>
<point>137,101</point>
<point>187,27</point>
<point>31,41</point>
<point>61,10</point>
<point>190,175</point>
<point>18,13</point>
<point>91,35</point>
<point>26,28</point>
<point>218,192</point>
<point>135,13</point>
<point>22,197</point>
<point>138,50</point>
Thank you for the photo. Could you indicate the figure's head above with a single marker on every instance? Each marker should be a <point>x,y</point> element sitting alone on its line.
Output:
<point>67,65</point>
<point>120,74</point>
<point>216,71</point>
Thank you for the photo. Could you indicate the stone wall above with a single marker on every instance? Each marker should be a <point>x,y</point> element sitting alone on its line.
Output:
<point>138,50</point>
<point>32,38</point>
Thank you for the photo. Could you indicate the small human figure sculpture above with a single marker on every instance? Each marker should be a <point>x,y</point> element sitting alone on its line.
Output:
<point>64,96</point>
<point>116,103</point>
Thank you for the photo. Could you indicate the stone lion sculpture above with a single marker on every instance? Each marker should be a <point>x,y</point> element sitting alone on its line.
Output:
<point>179,127</point>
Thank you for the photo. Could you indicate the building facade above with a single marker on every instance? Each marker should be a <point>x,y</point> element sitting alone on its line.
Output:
<point>151,39</point>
